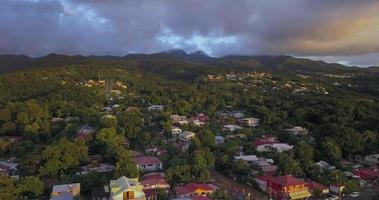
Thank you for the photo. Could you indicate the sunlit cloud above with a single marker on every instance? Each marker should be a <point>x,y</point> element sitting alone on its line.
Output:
<point>323,29</point>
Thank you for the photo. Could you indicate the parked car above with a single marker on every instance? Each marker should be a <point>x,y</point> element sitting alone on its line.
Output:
<point>354,194</point>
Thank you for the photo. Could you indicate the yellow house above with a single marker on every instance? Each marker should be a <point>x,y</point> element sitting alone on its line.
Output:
<point>126,188</point>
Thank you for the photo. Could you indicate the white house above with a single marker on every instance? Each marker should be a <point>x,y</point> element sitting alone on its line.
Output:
<point>148,163</point>
<point>297,130</point>
<point>176,130</point>
<point>324,165</point>
<point>231,127</point>
<point>177,119</point>
<point>187,135</point>
<point>101,168</point>
<point>275,147</point>
<point>250,122</point>
<point>372,158</point>
<point>247,158</point>
<point>237,114</point>
<point>198,123</point>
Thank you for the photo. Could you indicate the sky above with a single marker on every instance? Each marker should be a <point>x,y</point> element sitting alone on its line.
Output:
<point>342,31</point>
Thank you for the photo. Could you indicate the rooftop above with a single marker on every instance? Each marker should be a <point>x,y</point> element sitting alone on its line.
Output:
<point>145,160</point>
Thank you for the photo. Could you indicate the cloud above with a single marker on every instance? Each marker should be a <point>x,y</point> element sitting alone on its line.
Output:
<point>345,29</point>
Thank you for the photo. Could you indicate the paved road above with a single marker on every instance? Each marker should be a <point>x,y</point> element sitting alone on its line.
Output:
<point>366,194</point>
<point>229,184</point>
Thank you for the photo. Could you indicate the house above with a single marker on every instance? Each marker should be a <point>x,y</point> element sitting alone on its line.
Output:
<point>97,167</point>
<point>153,150</point>
<point>175,130</point>
<point>107,109</point>
<point>187,135</point>
<point>126,188</point>
<point>154,181</point>
<point>86,132</point>
<point>372,158</point>
<point>155,108</point>
<point>231,127</point>
<point>367,173</point>
<point>100,193</point>
<point>280,147</point>
<point>269,146</point>
<point>198,123</point>
<point>8,167</point>
<point>284,187</point>
<point>336,188</point>
<point>219,139</point>
<point>201,117</point>
<point>324,165</point>
<point>269,169</point>
<point>249,122</point>
<point>66,191</point>
<point>148,163</point>
<point>313,186</point>
<point>236,114</point>
<point>12,139</point>
<point>247,158</point>
<point>177,119</point>
<point>297,130</point>
<point>194,189</point>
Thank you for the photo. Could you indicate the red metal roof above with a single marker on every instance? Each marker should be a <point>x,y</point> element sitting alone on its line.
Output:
<point>146,160</point>
<point>191,187</point>
<point>367,173</point>
<point>316,186</point>
<point>152,176</point>
<point>154,182</point>
<point>288,180</point>
<point>260,142</point>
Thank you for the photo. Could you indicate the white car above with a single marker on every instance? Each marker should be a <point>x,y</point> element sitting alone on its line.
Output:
<point>354,194</point>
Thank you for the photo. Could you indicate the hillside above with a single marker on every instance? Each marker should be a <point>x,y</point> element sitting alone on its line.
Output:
<point>178,62</point>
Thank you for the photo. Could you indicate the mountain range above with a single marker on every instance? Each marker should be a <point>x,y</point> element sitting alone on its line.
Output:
<point>177,59</point>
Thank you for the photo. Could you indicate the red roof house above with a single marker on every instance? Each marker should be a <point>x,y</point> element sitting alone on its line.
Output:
<point>318,186</point>
<point>154,181</point>
<point>148,163</point>
<point>194,189</point>
<point>284,187</point>
<point>367,173</point>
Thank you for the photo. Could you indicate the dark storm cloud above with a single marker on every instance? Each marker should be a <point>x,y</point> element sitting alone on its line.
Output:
<point>336,29</point>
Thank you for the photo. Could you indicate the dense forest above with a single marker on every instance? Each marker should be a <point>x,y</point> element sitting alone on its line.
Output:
<point>48,99</point>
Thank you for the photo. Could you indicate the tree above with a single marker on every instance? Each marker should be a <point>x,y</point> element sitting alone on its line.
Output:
<point>132,122</point>
<point>179,174</point>
<point>8,189</point>
<point>31,187</point>
<point>288,165</point>
<point>208,139</point>
<point>331,150</point>
<point>125,165</point>
<point>305,153</point>
<point>350,141</point>
<point>108,121</point>
<point>183,107</point>
<point>202,161</point>
<point>90,181</point>
<point>62,156</point>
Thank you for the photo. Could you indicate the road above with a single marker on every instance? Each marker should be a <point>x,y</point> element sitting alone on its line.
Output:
<point>365,194</point>
<point>229,184</point>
